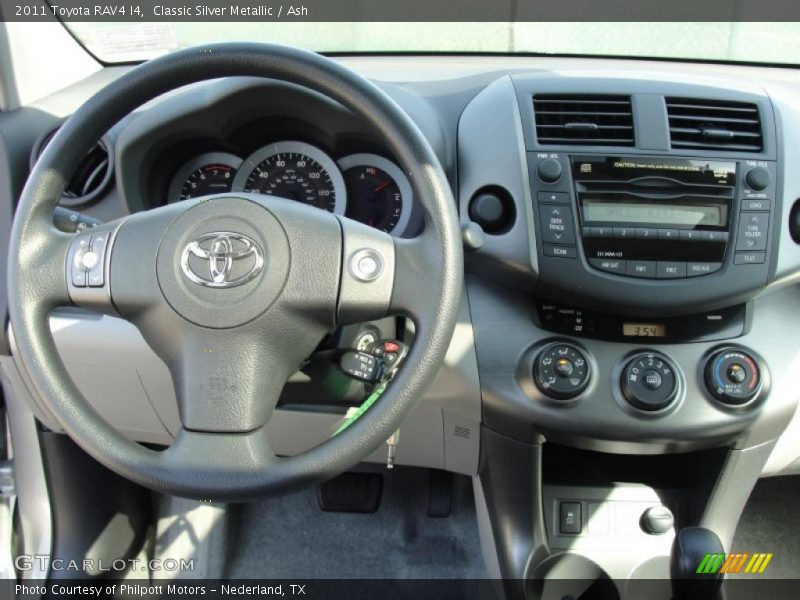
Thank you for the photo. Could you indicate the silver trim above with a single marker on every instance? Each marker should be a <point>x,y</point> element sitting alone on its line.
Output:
<point>325,161</point>
<point>396,173</point>
<point>221,257</point>
<point>209,158</point>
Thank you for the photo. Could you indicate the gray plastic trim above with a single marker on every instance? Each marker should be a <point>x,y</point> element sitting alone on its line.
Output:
<point>491,152</point>
<point>33,500</point>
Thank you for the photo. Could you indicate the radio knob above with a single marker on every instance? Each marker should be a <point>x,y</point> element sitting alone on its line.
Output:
<point>757,179</point>
<point>733,376</point>
<point>549,170</point>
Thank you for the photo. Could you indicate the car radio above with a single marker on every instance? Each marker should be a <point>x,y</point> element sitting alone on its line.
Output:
<point>654,217</point>
<point>638,229</point>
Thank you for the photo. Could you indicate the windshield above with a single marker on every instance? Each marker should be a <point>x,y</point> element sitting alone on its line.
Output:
<point>736,42</point>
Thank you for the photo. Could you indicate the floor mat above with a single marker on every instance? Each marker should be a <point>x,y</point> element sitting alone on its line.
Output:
<point>290,537</point>
<point>770,523</point>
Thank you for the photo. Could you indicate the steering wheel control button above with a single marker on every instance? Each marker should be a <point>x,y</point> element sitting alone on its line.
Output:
<point>657,520</point>
<point>733,376</point>
<point>89,260</point>
<point>361,365</point>
<point>561,371</point>
<point>366,264</point>
<point>649,382</point>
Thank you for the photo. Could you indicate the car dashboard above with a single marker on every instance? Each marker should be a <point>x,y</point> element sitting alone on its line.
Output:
<point>632,236</point>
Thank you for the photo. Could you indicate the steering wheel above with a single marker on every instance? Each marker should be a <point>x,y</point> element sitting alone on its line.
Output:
<point>233,292</point>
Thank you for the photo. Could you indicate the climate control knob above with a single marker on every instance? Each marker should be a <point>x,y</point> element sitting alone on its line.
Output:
<point>561,371</point>
<point>649,382</point>
<point>733,376</point>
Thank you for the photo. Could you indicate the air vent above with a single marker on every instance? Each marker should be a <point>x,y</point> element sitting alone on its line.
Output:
<point>714,125</point>
<point>92,177</point>
<point>578,119</point>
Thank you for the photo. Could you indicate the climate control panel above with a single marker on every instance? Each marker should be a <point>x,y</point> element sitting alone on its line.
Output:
<point>648,380</point>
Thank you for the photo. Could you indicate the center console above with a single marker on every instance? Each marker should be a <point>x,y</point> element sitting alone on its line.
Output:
<point>634,373</point>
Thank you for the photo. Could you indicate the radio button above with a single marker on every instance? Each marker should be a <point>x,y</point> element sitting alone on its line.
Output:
<point>670,270</point>
<point>713,236</point>
<point>641,268</point>
<point>749,258</point>
<point>695,269</point>
<point>556,224</point>
<point>611,265</point>
<point>559,197</point>
<point>668,234</point>
<point>690,235</point>
<point>624,232</point>
<point>752,233</point>
<point>559,251</point>
<point>646,233</point>
<point>756,204</point>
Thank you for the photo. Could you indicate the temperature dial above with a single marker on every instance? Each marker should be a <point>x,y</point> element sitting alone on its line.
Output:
<point>649,382</point>
<point>561,371</point>
<point>733,376</point>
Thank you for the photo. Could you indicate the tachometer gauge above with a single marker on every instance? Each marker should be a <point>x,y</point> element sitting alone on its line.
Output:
<point>296,171</point>
<point>378,192</point>
<point>204,175</point>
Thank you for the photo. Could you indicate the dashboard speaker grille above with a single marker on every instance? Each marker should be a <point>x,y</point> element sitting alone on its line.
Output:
<point>579,119</point>
<point>714,125</point>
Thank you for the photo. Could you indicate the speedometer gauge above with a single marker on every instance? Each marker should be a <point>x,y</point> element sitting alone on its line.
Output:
<point>378,192</point>
<point>296,171</point>
<point>204,175</point>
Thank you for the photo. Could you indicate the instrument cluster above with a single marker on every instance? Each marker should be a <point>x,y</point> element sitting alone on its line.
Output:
<point>366,187</point>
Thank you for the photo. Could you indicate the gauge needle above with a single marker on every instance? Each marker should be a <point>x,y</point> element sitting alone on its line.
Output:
<point>381,186</point>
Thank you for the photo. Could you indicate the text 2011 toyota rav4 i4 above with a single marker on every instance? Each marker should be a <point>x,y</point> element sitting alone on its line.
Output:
<point>557,296</point>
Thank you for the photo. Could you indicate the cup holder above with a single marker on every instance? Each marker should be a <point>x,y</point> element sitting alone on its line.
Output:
<point>570,576</point>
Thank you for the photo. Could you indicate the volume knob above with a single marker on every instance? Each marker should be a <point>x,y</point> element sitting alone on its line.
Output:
<point>549,170</point>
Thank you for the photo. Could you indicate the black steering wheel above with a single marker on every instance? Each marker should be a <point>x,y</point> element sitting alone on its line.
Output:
<point>233,292</point>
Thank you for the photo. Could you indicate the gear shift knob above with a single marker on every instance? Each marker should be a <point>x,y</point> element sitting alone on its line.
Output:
<point>690,546</point>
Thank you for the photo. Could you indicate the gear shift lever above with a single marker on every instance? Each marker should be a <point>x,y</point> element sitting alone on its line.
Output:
<point>690,546</point>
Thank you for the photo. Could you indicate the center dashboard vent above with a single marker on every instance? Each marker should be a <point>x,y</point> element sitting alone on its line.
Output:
<point>714,125</point>
<point>586,120</point>
<point>92,176</point>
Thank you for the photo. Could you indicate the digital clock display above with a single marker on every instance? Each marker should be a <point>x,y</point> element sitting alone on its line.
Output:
<point>644,329</point>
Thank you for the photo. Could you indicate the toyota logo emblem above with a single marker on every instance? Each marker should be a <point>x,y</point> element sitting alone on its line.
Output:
<point>222,259</point>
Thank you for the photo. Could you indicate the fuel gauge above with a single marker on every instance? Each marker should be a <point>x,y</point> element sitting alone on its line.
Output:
<point>378,192</point>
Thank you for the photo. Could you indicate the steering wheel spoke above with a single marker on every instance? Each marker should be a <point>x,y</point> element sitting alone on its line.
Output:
<point>230,381</point>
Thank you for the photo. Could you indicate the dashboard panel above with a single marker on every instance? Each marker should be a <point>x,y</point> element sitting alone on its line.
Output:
<point>537,278</point>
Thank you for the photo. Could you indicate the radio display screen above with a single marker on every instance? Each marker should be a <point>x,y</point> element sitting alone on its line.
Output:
<point>603,211</point>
